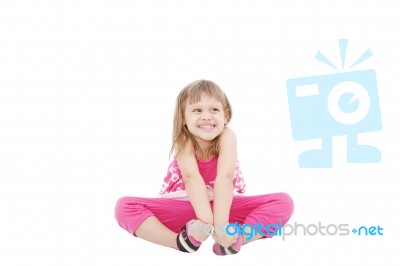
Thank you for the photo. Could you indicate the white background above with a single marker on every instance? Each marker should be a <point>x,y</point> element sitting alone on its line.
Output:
<point>87,92</point>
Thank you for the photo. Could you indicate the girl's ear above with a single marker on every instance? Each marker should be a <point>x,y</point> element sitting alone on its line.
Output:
<point>226,113</point>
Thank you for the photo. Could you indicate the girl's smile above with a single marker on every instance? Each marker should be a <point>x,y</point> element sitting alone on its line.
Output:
<point>207,127</point>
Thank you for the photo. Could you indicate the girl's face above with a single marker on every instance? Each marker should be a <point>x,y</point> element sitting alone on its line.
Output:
<point>205,119</point>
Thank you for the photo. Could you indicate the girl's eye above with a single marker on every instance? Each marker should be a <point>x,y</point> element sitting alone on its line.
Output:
<point>196,110</point>
<point>215,110</point>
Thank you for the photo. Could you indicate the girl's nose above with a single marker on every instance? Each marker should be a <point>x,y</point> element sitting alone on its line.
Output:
<point>206,116</point>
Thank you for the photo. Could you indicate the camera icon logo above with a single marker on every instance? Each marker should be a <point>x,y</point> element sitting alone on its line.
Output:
<point>331,105</point>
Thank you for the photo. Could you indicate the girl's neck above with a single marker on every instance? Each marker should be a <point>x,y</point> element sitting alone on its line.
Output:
<point>203,157</point>
<point>202,153</point>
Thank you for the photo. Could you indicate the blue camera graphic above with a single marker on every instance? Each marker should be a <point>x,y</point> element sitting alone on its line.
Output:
<point>330,105</point>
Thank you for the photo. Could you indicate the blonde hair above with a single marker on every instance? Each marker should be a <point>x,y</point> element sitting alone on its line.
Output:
<point>189,95</point>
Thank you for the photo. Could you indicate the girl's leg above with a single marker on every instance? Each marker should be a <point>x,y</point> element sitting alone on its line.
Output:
<point>154,219</point>
<point>259,210</point>
<point>154,231</point>
<point>269,211</point>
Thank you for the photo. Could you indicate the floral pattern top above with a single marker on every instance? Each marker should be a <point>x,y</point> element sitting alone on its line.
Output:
<point>173,185</point>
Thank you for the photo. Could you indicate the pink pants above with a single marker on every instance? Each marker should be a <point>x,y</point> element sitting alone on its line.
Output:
<point>276,209</point>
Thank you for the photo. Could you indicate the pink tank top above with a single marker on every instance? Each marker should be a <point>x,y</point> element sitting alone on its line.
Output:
<point>208,170</point>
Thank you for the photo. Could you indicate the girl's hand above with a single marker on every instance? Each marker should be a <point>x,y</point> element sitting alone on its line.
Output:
<point>200,231</point>
<point>225,239</point>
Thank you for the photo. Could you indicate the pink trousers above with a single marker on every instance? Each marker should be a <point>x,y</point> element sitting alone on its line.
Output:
<point>267,209</point>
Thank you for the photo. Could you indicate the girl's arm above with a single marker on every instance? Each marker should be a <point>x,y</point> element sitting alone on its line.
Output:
<point>194,184</point>
<point>223,186</point>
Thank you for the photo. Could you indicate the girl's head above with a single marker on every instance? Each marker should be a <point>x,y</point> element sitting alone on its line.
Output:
<point>202,111</point>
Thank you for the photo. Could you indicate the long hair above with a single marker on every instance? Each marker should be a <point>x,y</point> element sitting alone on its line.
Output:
<point>189,95</point>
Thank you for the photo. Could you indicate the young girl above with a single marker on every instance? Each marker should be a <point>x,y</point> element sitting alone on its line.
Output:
<point>201,192</point>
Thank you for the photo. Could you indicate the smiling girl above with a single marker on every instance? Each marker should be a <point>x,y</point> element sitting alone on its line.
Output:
<point>204,185</point>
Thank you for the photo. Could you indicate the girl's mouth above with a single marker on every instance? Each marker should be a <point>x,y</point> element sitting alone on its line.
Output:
<point>206,127</point>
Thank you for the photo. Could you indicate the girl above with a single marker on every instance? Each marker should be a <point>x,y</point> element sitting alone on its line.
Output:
<point>201,192</point>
